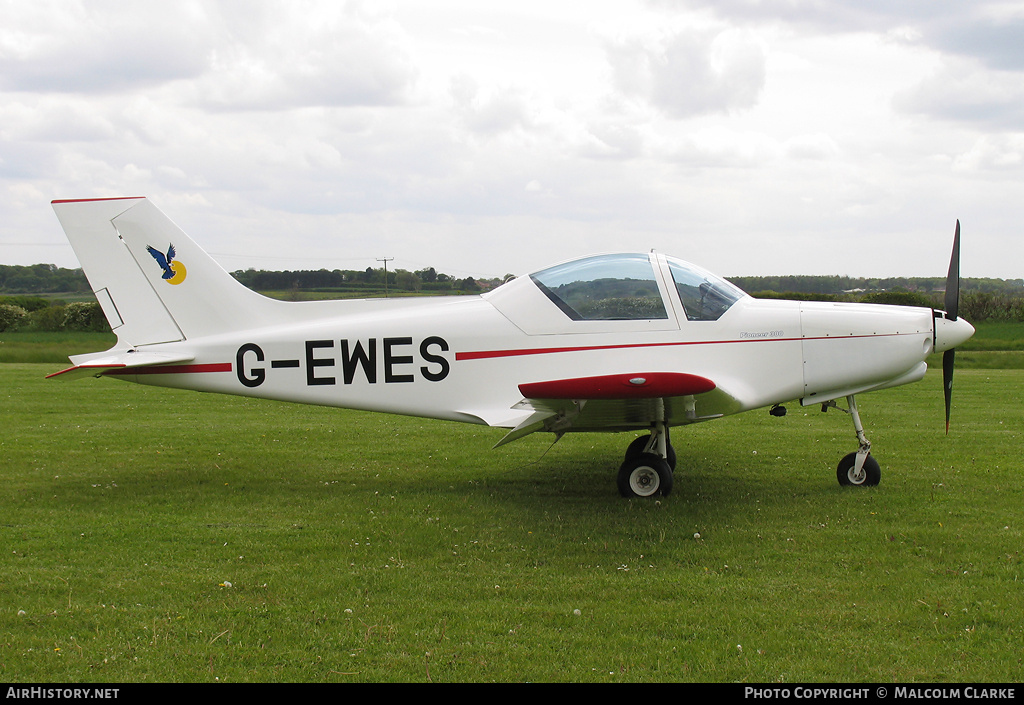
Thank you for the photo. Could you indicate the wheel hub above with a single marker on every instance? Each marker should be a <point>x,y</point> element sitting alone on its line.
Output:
<point>644,481</point>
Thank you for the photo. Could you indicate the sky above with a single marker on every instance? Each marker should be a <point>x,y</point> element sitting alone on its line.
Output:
<point>751,137</point>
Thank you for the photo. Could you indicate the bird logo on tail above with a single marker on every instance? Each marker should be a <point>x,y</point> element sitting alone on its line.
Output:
<point>174,271</point>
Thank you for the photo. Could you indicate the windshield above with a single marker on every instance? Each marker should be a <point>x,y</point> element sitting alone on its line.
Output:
<point>605,287</point>
<point>704,296</point>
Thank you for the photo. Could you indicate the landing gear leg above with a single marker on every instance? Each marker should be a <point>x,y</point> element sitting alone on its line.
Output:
<point>656,446</point>
<point>858,468</point>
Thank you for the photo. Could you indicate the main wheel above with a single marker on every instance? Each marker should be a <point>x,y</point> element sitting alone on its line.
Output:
<point>646,475</point>
<point>637,447</point>
<point>845,472</point>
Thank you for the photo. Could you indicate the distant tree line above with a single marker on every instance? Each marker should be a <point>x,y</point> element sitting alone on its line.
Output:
<point>50,279</point>
<point>837,285</point>
<point>41,279</point>
<point>980,299</point>
<point>371,278</point>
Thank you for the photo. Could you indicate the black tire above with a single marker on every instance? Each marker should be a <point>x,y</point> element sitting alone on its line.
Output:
<point>872,473</point>
<point>646,475</point>
<point>637,447</point>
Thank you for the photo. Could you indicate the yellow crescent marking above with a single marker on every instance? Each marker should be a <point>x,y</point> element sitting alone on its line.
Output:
<point>179,273</point>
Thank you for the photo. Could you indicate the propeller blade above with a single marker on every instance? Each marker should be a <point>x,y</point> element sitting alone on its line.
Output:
<point>952,304</point>
<point>953,278</point>
<point>948,358</point>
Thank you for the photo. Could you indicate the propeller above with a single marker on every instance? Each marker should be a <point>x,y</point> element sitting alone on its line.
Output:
<point>953,278</point>
<point>952,304</point>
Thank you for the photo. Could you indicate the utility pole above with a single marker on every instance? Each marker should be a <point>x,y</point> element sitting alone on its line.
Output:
<point>385,260</point>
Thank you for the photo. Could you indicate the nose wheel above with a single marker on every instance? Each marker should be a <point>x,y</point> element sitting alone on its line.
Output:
<point>868,475</point>
<point>859,468</point>
<point>648,468</point>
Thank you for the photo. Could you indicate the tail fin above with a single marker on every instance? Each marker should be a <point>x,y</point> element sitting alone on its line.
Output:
<point>154,283</point>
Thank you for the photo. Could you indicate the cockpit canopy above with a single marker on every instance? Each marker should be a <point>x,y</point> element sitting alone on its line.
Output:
<point>624,287</point>
<point>602,288</point>
<point>614,293</point>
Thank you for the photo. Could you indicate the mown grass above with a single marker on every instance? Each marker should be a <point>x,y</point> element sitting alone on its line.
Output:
<point>1003,335</point>
<point>159,535</point>
<point>51,347</point>
<point>994,346</point>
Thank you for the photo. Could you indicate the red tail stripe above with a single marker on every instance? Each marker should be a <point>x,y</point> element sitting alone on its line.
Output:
<point>173,369</point>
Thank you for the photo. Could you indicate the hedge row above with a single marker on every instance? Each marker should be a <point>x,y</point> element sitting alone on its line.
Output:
<point>75,316</point>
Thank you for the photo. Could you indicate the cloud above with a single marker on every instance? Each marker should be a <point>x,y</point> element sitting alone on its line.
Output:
<point>332,55</point>
<point>987,30</point>
<point>614,139</point>
<point>491,114</point>
<point>53,119</point>
<point>690,71</point>
<point>998,153</point>
<point>994,41</point>
<point>94,47</point>
<point>721,148</point>
<point>453,128</point>
<point>235,55</point>
<point>813,147</point>
<point>836,16</point>
<point>961,91</point>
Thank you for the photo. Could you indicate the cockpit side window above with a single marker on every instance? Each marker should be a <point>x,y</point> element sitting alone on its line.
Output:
<point>604,288</point>
<point>704,296</point>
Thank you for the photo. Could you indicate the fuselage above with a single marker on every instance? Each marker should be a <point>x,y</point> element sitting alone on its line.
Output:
<point>464,358</point>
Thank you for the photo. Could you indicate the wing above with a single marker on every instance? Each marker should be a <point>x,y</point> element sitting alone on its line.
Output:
<point>624,386</point>
<point>170,253</point>
<point>620,402</point>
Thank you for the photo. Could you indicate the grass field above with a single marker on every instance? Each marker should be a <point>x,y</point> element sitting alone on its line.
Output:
<point>42,346</point>
<point>158,535</point>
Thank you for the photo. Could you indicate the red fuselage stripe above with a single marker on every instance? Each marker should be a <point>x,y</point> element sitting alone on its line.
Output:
<point>485,354</point>
<point>173,369</point>
<point>488,354</point>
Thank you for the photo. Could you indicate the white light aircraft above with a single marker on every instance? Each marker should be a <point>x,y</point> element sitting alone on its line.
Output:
<point>615,342</point>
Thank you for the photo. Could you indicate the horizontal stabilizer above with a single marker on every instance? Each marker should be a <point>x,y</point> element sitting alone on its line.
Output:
<point>99,365</point>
